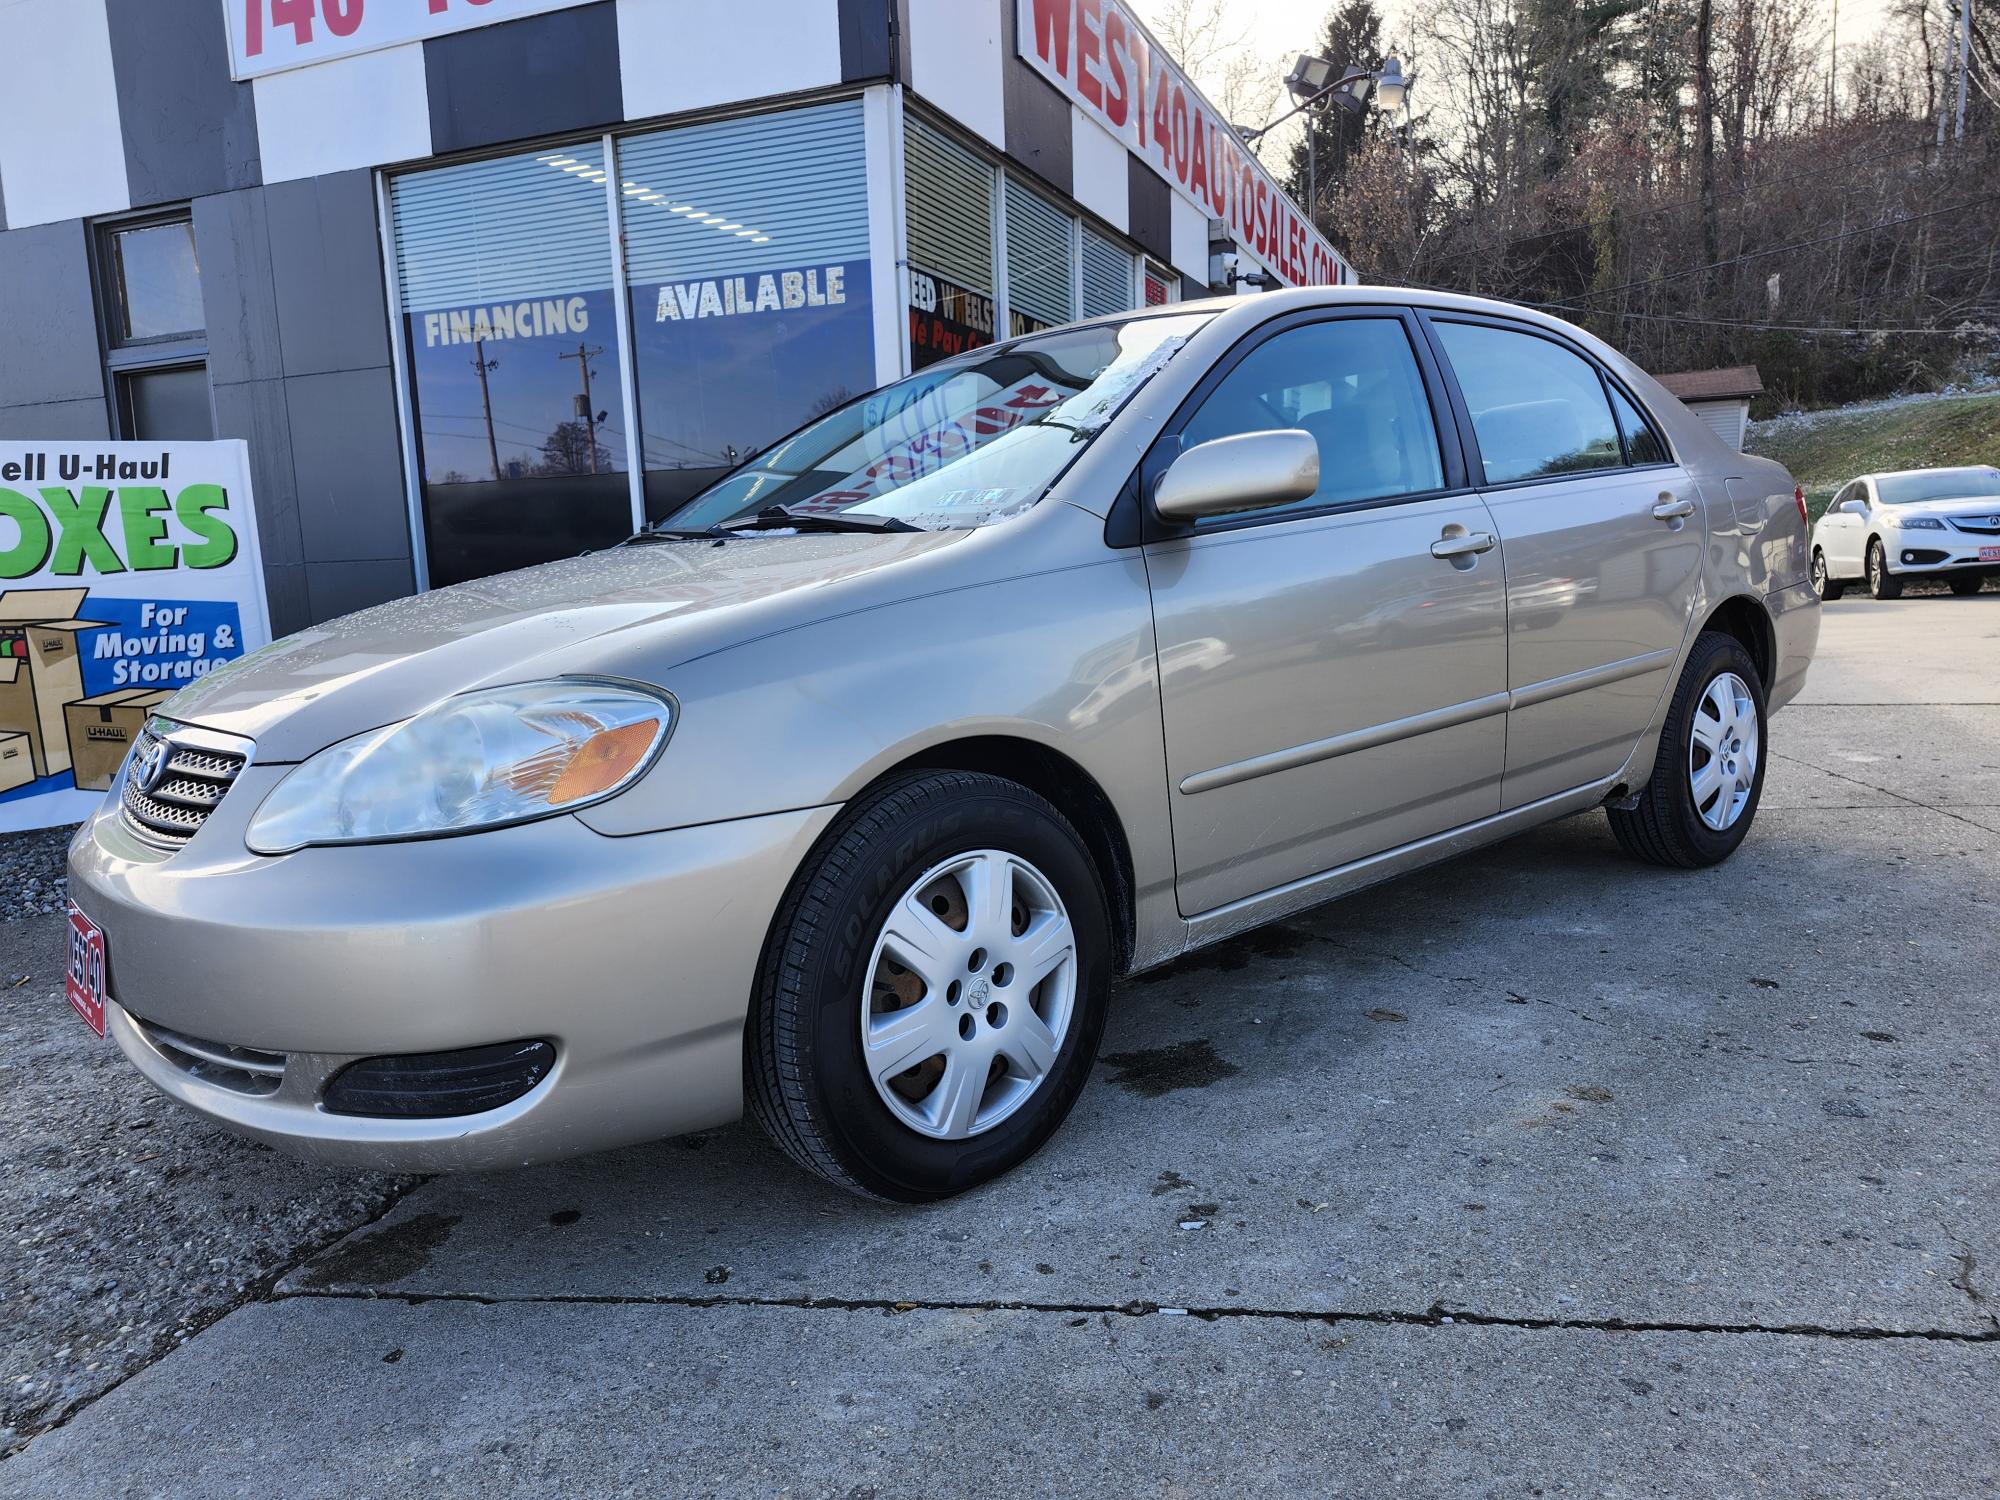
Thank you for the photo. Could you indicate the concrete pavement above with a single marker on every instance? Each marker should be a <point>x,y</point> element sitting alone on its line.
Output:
<point>1540,1172</point>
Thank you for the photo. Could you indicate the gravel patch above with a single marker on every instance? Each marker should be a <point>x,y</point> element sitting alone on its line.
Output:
<point>126,1225</point>
<point>34,878</point>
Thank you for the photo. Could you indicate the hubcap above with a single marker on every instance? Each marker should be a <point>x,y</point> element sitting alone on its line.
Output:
<point>1722,751</point>
<point>969,994</point>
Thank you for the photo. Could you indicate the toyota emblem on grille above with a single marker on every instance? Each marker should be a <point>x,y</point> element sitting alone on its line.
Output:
<point>150,764</point>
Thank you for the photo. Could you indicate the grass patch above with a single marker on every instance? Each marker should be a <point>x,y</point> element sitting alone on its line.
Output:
<point>1834,447</point>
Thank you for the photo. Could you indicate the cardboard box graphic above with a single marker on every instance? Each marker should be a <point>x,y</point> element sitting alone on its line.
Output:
<point>17,761</point>
<point>101,730</point>
<point>41,670</point>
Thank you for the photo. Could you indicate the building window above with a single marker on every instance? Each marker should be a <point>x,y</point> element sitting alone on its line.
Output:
<point>1106,275</point>
<point>506,290</point>
<point>1162,286</point>
<point>746,245</point>
<point>948,206</point>
<point>155,334</point>
<point>1041,256</point>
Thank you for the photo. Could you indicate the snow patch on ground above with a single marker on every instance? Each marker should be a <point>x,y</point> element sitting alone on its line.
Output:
<point>1793,421</point>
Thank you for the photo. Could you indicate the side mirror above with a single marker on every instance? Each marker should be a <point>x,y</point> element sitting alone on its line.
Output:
<point>1251,471</point>
<point>1854,507</point>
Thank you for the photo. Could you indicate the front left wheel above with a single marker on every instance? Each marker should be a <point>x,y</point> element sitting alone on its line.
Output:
<point>1965,584</point>
<point>933,990</point>
<point>1882,584</point>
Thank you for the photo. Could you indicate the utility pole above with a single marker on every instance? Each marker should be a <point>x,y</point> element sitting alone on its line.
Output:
<point>1704,93</point>
<point>482,364</point>
<point>583,356</point>
<point>1964,64</point>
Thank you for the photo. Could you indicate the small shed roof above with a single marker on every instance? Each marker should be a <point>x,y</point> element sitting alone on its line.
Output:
<point>1735,382</point>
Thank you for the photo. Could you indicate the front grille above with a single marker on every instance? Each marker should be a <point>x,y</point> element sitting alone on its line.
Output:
<point>243,1070</point>
<point>1978,525</point>
<point>186,786</point>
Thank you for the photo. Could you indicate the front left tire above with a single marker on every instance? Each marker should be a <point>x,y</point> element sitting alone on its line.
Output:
<point>933,991</point>
<point>1882,584</point>
<point>1965,584</point>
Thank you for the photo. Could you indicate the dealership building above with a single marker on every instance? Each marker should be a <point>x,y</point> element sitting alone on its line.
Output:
<point>486,282</point>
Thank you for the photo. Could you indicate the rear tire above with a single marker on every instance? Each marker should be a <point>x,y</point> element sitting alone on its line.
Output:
<point>946,896</point>
<point>1825,584</point>
<point>1700,775</point>
<point>1882,584</point>
<point>1965,584</point>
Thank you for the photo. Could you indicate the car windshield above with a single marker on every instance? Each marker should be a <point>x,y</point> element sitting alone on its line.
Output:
<point>961,444</point>
<point>1937,484</point>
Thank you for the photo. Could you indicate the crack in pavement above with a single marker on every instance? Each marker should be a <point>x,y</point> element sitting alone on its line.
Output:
<point>263,1289</point>
<point>1885,791</point>
<point>1435,1316</point>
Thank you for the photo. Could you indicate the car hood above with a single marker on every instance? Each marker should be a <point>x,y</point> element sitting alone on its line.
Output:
<point>325,683</point>
<point>1971,505</point>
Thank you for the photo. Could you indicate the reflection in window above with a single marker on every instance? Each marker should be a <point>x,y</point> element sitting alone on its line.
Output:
<point>504,269</point>
<point>1040,260</point>
<point>747,259</point>
<point>1564,427</point>
<point>156,280</point>
<point>165,405</point>
<point>1642,444</point>
<point>1350,382</point>
<point>948,205</point>
<point>960,445</point>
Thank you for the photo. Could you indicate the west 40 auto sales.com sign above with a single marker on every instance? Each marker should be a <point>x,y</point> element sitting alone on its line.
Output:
<point>127,570</point>
<point>1098,54</point>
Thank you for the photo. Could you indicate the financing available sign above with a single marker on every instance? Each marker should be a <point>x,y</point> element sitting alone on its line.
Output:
<point>269,36</point>
<point>1099,54</point>
<point>127,571</point>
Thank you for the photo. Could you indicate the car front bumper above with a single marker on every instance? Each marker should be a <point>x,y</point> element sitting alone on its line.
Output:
<point>634,956</point>
<point>1920,552</point>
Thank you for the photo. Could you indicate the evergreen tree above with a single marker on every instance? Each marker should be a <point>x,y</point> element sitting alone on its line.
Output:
<point>1352,39</point>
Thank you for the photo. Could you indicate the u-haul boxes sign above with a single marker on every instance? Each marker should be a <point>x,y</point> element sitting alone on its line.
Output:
<point>268,36</point>
<point>1098,54</point>
<point>127,571</point>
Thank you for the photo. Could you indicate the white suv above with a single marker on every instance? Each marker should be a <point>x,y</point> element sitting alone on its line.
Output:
<point>1884,528</point>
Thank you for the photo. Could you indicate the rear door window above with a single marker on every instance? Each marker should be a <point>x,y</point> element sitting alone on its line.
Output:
<point>1538,410</point>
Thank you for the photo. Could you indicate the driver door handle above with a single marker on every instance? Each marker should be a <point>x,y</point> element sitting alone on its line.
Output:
<point>1672,507</point>
<point>1463,546</point>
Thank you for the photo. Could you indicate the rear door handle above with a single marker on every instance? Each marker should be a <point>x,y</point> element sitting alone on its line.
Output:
<point>1672,508</point>
<point>1463,546</point>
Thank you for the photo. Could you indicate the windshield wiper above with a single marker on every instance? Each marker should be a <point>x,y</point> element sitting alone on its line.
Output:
<point>776,517</point>
<point>675,534</point>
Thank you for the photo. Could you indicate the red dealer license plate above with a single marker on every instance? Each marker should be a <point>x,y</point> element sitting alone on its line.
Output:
<point>1989,554</point>
<point>84,984</point>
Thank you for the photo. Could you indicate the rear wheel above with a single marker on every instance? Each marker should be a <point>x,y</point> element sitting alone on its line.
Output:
<point>1709,774</point>
<point>1824,583</point>
<point>934,989</point>
<point>1963,584</point>
<point>1882,584</point>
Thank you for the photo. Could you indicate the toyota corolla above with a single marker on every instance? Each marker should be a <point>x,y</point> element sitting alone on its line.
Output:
<point>845,797</point>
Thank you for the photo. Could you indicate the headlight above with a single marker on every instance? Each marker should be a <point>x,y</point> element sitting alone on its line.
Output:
<point>500,755</point>
<point>1921,523</point>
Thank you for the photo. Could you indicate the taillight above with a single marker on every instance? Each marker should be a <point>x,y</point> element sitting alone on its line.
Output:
<point>1799,499</point>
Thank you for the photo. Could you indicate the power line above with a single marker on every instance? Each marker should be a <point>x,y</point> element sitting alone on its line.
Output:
<point>1810,328</point>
